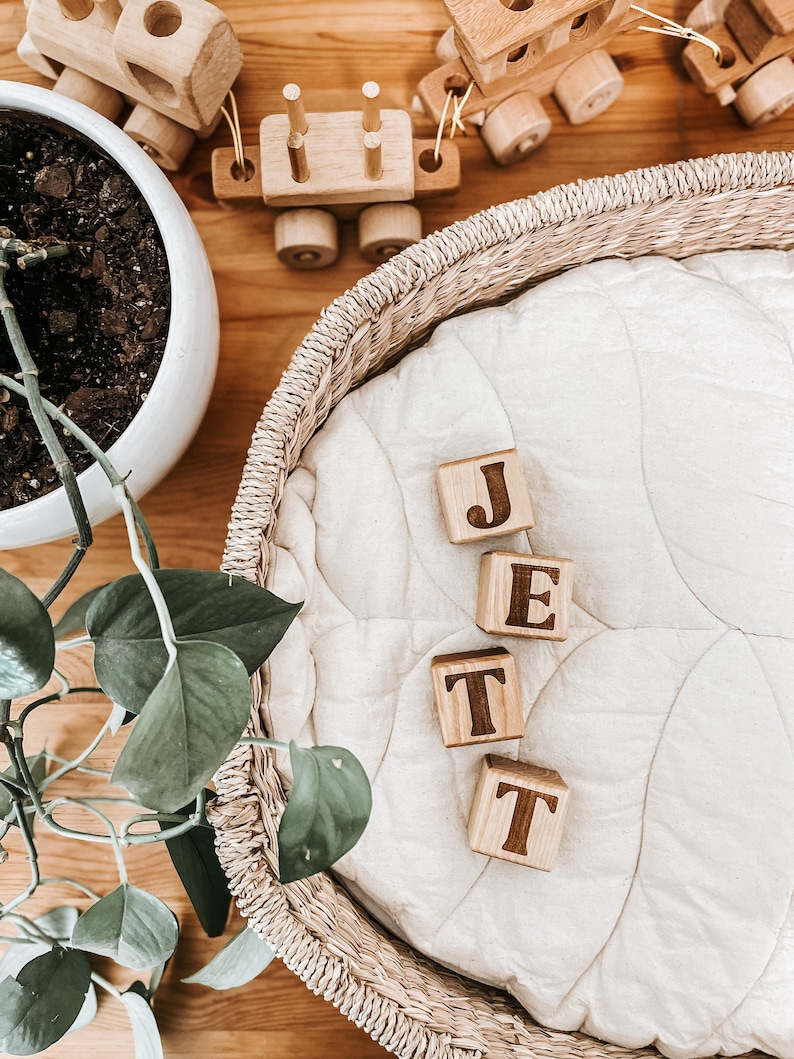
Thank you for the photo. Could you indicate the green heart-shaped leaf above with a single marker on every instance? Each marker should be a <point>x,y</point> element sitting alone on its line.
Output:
<point>131,926</point>
<point>195,858</point>
<point>27,642</point>
<point>130,657</point>
<point>145,1034</point>
<point>192,720</point>
<point>327,810</point>
<point>42,1002</point>
<point>240,960</point>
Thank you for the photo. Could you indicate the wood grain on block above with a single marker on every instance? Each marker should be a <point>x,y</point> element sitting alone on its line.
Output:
<point>232,185</point>
<point>435,177</point>
<point>749,29</point>
<point>484,496</point>
<point>178,57</point>
<point>477,697</point>
<point>490,27</point>
<point>778,14</point>
<point>525,595</point>
<point>518,812</point>
<point>334,145</point>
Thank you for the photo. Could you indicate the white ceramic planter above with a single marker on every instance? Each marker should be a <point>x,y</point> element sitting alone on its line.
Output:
<point>171,413</point>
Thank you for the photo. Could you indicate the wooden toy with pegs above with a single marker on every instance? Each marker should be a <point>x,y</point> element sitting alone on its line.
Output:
<point>173,60</point>
<point>319,168</point>
<point>501,56</point>
<point>752,67</point>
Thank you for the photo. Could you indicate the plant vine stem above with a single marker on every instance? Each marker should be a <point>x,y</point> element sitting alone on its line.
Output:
<point>63,466</point>
<point>62,880</point>
<point>103,983</point>
<point>81,757</point>
<point>5,711</point>
<point>112,836</point>
<point>27,837</point>
<point>255,740</point>
<point>99,456</point>
<point>158,599</point>
<point>54,697</point>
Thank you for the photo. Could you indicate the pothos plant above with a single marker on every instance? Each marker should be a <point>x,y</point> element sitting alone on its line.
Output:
<point>173,651</point>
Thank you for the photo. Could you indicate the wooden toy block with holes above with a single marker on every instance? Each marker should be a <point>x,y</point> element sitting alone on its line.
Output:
<point>500,56</point>
<point>173,60</point>
<point>752,67</point>
<point>477,697</point>
<point>318,168</point>
<point>518,812</point>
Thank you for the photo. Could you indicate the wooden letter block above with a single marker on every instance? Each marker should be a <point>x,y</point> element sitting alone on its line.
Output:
<point>485,496</point>
<point>477,697</point>
<point>525,595</point>
<point>518,812</point>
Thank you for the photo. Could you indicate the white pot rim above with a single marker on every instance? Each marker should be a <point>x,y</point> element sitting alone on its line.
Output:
<point>164,425</point>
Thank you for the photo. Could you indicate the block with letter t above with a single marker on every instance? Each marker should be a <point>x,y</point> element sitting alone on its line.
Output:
<point>518,812</point>
<point>477,697</point>
<point>525,595</point>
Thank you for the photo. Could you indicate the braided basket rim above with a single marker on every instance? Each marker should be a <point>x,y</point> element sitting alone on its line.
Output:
<point>409,1004</point>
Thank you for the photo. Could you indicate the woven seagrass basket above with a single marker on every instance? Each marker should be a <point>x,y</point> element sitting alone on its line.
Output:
<point>410,1005</point>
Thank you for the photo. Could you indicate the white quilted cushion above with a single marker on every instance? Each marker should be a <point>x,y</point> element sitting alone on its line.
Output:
<point>651,406</point>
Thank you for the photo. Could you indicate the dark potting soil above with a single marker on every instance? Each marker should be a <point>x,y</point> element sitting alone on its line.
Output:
<point>96,320</point>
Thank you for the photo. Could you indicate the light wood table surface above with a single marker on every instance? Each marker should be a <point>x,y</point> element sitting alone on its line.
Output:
<point>329,47</point>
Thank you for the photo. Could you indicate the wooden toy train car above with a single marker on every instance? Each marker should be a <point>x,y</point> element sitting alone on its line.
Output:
<point>754,70</point>
<point>173,60</point>
<point>320,168</point>
<point>502,55</point>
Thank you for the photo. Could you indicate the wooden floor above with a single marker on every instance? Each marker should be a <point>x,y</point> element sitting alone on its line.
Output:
<point>330,47</point>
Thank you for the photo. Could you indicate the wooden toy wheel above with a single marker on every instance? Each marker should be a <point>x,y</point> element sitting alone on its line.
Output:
<point>167,141</point>
<point>766,93</point>
<point>386,229</point>
<point>91,93</point>
<point>588,86</point>
<point>515,127</point>
<point>306,239</point>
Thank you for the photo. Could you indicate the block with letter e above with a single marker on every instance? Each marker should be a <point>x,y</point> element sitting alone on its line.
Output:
<point>525,595</point>
<point>484,496</point>
<point>477,697</point>
<point>518,812</point>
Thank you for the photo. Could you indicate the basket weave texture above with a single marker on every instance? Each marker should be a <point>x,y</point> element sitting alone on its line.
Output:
<point>410,1005</point>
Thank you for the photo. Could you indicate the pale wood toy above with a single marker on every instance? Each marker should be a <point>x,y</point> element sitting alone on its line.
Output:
<point>477,697</point>
<point>525,595</point>
<point>323,167</point>
<point>484,496</point>
<point>503,55</point>
<point>518,812</point>
<point>753,69</point>
<point>174,60</point>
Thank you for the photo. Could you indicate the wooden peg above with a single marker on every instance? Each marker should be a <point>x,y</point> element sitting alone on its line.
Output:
<point>748,27</point>
<point>90,92</point>
<point>296,115</point>
<point>518,812</point>
<point>371,115</point>
<point>484,496</point>
<point>299,164</point>
<point>777,14</point>
<point>588,86</point>
<point>525,595</point>
<point>477,697</point>
<point>373,163</point>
